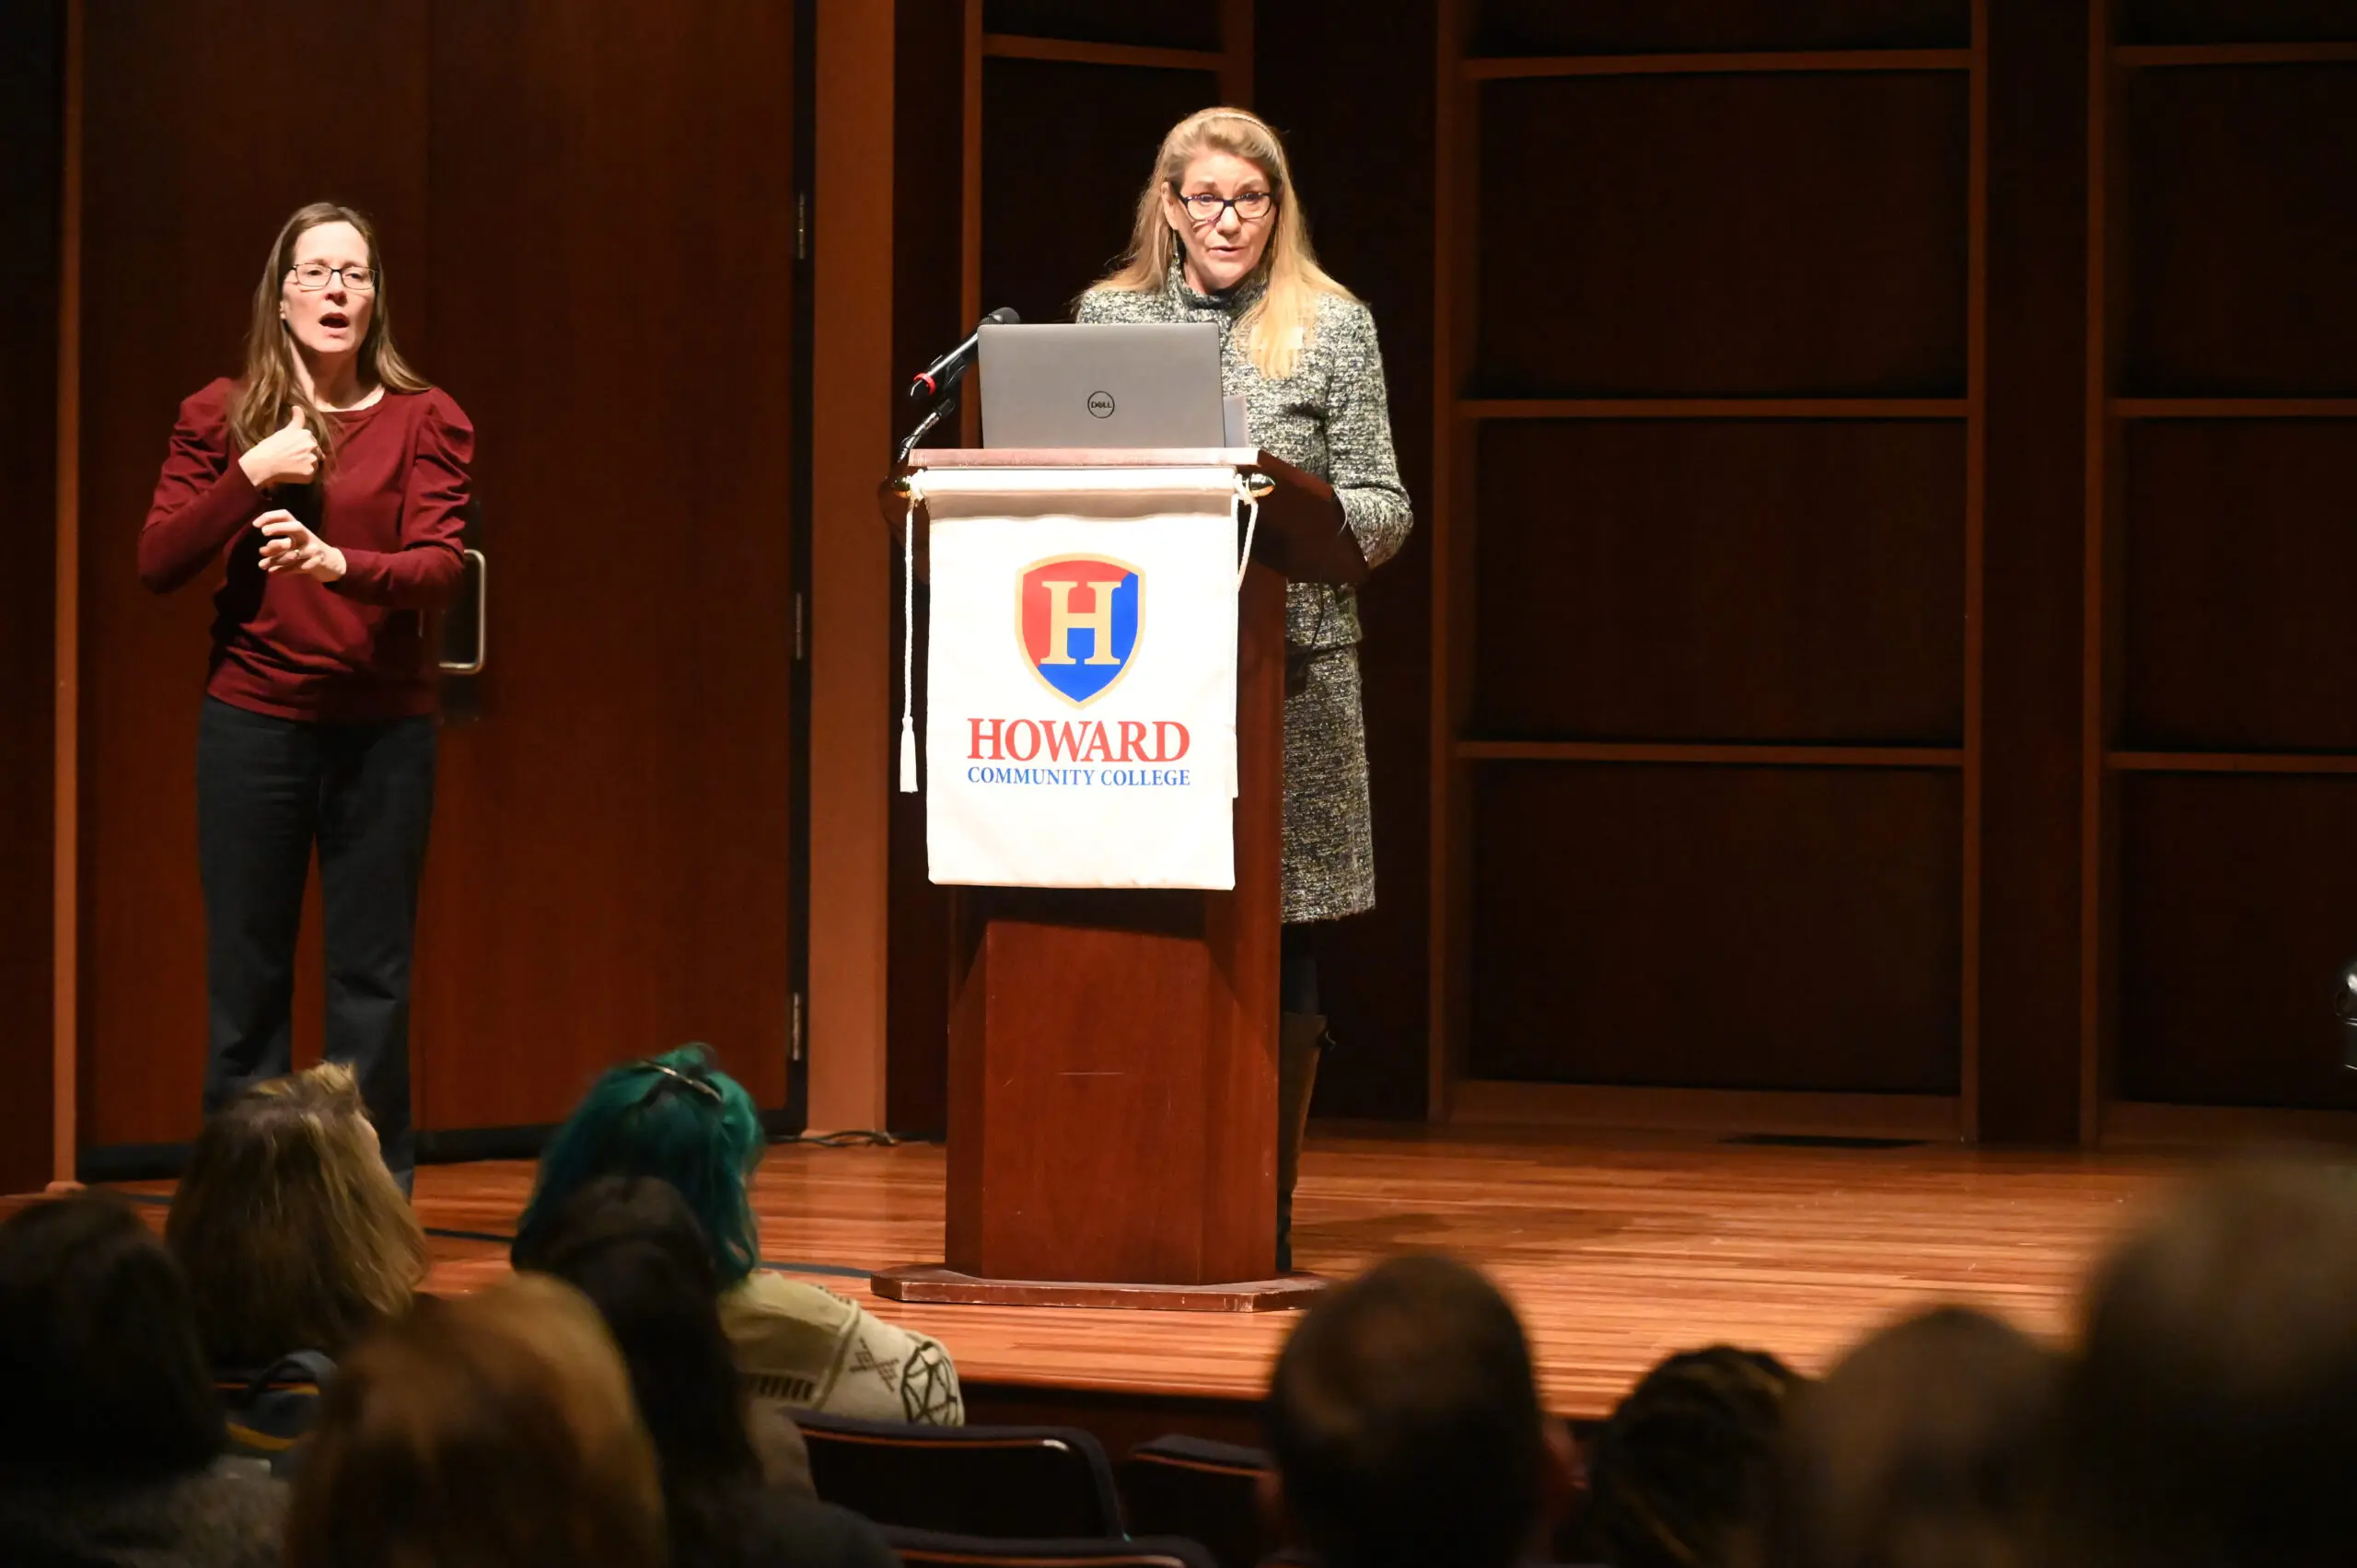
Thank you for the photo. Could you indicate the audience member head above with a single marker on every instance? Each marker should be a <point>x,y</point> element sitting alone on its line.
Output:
<point>631,1245</point>
<point>1928,1446</point>
<point>1406,1425</point>
<point>1676,1472</point>
<point>103,1373</point>
<point>289,1227</point>
<point>678,1119</point>
<point>491,1430</point>
<point>2212,1411</point>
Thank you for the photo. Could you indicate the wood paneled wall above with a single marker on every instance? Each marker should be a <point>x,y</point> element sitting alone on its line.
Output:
<point>1822,501</point>
<point>32,109</point>
<point>2220,765</point>
<point>1870,655</point>
<point>1706,659</point>
<point>1891,595</point>
<point>589,216</point>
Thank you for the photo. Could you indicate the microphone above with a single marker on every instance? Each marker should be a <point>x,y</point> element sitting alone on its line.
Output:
<point>945,371</point>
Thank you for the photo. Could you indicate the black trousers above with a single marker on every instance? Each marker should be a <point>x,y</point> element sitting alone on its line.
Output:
<point>268,791</point>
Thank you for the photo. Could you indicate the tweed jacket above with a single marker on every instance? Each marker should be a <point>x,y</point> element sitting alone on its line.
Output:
<point>1330,417</point>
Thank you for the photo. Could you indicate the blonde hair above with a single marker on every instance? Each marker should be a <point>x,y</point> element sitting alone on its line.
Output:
<point>1281,322</point>
<point>497,1428</point>
<point>289,1227</point>
<point>270,390</point>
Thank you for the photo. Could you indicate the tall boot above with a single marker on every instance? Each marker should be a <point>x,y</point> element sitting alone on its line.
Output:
<point>1301,1039</point>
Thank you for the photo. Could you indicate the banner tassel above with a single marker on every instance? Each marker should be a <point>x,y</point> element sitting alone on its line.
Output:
<point>1250,507</point>
<point>909,644</point>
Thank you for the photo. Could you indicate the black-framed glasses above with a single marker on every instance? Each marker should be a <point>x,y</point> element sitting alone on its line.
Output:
<point>1205,208</point>
<point>312,276</point>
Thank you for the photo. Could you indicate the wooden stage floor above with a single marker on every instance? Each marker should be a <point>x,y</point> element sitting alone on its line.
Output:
<point>1616,1249</point>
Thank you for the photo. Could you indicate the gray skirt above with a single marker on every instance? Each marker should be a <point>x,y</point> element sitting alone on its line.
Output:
<point>1330,826</point>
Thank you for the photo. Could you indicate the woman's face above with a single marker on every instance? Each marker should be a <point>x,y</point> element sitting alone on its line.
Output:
<point>332,318</point>
<point>1222,250</point>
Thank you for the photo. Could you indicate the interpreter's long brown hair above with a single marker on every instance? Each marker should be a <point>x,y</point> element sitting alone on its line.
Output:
<point>289,1227</point>
<point>1281,323</point>
<point>490,1431</point>
<point>270,390</point>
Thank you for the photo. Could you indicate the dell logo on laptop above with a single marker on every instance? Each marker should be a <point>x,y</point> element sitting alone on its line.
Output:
<point>1101,405</point>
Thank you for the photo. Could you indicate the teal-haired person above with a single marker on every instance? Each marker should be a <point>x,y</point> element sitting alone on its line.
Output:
<point>679,1120</point>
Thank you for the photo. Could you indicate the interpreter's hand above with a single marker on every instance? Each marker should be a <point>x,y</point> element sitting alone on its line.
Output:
<point>289,453</point>
<point>290,547</point>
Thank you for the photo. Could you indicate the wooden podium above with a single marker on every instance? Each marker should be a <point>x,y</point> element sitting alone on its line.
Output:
<point>1113,1054</point>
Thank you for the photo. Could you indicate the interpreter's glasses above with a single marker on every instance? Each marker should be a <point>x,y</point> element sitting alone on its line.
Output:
<point>1206,208</point>
<point>312,276</point>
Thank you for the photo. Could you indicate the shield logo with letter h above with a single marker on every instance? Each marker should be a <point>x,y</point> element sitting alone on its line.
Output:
<point>1077,618</point>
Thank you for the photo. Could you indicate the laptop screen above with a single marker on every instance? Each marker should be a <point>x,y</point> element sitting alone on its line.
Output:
<point>1110,384</point>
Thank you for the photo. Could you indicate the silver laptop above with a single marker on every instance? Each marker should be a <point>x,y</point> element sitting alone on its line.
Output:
<point>1110,384</point>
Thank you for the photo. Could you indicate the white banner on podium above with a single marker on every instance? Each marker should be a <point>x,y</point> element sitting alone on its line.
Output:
<point>1080,724</point>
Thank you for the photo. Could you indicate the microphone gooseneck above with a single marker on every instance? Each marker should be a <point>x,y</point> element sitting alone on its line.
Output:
<point>943,373</point>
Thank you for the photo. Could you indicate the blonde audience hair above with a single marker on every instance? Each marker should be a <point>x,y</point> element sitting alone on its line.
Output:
<point>1283,320</point>
<point>490,1431</point>
<point>289,1228</point>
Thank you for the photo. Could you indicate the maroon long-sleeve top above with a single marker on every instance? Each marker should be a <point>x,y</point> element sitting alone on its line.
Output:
<point>348,651</point>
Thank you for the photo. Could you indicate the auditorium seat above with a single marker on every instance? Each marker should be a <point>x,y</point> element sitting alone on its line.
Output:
<point>1004,1483</point>
<point>927,1548</point>
<point>1209,1492</point>
<point>1203,1490</point>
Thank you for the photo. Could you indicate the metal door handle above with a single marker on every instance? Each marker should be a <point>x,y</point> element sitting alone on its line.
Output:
<point>483,619</point>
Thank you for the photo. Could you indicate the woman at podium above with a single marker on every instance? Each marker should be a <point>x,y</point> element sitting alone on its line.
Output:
<point>1221,237</point>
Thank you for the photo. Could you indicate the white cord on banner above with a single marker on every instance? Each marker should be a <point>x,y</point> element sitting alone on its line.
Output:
<point>909,642</point>
<point>1246,508</point>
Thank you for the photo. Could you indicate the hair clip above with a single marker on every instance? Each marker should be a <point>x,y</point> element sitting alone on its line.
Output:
<point>704,1086</point>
